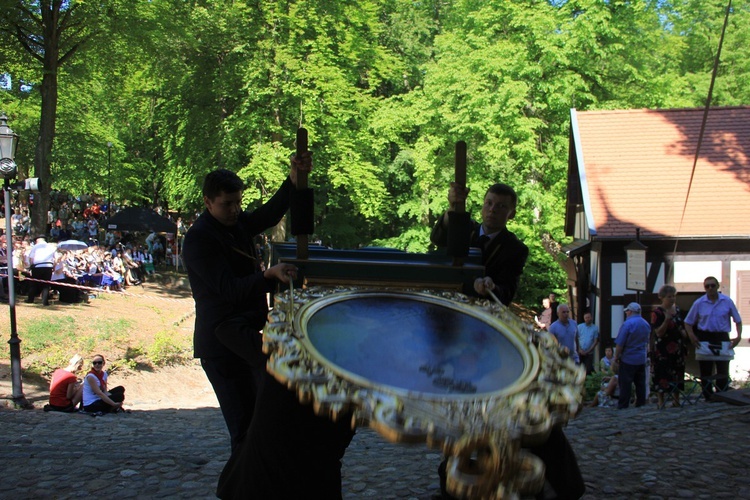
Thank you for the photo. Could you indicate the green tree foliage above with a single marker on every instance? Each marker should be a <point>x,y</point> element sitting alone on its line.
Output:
<point>384,87</point>
<point>49,33</point>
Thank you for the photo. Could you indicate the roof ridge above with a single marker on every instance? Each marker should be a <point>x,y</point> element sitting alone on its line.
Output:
<point>662,110</point>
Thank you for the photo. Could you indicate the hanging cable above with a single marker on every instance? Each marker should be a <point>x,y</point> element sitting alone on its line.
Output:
<point>703,129</point>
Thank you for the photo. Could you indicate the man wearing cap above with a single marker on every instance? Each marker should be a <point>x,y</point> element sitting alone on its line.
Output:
<point>630,356</point>
<point>41,260</point>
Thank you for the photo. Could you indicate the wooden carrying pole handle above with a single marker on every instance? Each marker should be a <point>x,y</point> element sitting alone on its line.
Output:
<point>460,172</point>
<point>301,144</point>
<point>458,241</point>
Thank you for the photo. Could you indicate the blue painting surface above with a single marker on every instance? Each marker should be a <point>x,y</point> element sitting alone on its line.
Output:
<point>414,345</point>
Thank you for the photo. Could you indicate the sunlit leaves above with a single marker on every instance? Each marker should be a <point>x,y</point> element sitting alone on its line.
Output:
<point>385,89</point>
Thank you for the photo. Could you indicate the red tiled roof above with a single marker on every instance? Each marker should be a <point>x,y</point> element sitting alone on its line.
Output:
<point>637,166</point>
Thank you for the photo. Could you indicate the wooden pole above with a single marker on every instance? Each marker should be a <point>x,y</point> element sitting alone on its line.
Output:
<point>460,179</point>
<point>301,143</point>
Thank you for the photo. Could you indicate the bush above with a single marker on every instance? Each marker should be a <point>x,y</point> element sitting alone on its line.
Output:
<point>592,385</point>
<point>165,350</point>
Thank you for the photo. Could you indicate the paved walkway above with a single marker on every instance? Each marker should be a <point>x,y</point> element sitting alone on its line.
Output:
<point>700,451</point>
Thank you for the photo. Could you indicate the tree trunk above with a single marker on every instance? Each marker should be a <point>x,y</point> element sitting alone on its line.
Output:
<point>49,116</point>
<point>44,150</point>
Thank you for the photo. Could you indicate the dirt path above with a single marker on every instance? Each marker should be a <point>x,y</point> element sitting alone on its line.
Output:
<point>170,387</point>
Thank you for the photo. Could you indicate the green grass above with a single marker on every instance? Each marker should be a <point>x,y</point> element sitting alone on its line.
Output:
<point>111,329</point>
<point>167,350</point>
<point>49,342</point>
<point>48,332</point>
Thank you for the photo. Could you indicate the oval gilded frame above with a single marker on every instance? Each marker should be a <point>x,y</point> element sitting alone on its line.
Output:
<point>482,434</point>
<point>529,357</point>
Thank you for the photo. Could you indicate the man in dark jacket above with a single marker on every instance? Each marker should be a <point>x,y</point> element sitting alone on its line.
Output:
<point>503,254</point>
<point>504,257</point>
<point>230,289</point>
<point>272,433</point>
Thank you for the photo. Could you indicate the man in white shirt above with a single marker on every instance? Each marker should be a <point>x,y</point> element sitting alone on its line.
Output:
<point>150,239</point>
<point>93,228</point>
<point>708,325</point>
<point>41,260</point>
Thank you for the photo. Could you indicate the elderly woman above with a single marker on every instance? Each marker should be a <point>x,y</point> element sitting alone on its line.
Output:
<point>670,345</point>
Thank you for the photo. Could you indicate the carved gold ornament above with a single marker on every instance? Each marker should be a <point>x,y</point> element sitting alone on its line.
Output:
<point>460,374</point>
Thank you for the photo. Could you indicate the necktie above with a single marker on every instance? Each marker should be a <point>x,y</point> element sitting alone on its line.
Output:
<point>482,241</point>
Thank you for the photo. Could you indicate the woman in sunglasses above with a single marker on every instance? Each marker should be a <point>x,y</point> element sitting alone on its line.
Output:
<point>96,396</point>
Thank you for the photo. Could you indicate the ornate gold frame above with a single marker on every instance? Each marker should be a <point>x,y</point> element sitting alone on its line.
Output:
<point>483,435</point>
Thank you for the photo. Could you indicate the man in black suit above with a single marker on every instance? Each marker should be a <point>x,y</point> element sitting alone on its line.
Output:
<point>504,257</point>
<point>230,289</point>
<point>503,254</point>
<point>273,435</point>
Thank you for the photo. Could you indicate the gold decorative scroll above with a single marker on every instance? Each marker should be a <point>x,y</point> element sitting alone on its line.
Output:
<point>482,432</point>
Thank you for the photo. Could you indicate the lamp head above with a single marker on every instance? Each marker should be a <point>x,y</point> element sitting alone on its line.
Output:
<point>8,145</point>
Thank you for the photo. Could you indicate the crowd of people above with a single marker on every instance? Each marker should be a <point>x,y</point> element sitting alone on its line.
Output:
<point>68,217</point>
<point>71,271</point>
<point>654,350</point>
<point>75,250</point>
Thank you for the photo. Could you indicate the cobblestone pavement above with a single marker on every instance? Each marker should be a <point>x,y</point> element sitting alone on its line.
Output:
<point>699,451</point>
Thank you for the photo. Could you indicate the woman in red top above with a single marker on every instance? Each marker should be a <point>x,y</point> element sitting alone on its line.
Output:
<point>65,391</point>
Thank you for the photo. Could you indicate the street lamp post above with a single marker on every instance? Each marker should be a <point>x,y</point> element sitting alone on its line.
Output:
<point>109,178</point>
<point>8,170</point>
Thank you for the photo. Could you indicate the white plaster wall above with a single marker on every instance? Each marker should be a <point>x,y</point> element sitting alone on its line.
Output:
<point>619,280</point>
<point>734,267</point>
<point>740,367</point>
<point>696,272</point>
<point>618,318</point>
